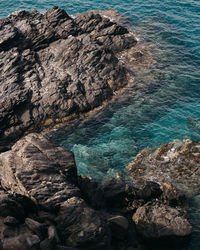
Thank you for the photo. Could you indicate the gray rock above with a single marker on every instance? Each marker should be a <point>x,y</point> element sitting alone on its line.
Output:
<point>53,66</point>
<point>155,221</point>
<point>40,170</point>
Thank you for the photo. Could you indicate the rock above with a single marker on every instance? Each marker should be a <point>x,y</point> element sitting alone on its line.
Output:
<point>10,221</point>
<point>151,190</point>
<point>82,227</point>
<point>22,242</point>
<point>33,242</point>
<point>52,240</point>
<point>91,192</point>
<point>161,223</point>
<point>36,227</point>
<point>117,193</point>
<point>52,234</point>
<point>176,163</point>
<point>53,67</point>
<point>172,196</point>
<point>40,170</point>
<point>10,207</point>
<point>47,244</point>
<point>119,226</point>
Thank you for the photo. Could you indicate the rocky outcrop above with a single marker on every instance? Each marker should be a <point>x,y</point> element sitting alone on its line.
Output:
<point>44,204</point>
<point>54,66</point>
<point>176,163</point>
<point>158,222</point>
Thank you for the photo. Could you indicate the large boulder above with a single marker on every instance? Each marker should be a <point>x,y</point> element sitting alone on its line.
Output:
<point>176,163</point>
<point>161,223</point>
<point>41,170</point>
<point>53,66</point>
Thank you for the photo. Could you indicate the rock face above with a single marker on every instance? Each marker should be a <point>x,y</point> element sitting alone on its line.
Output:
<point>155,221</point>
<point>53,66</point>
<point>176,163</point>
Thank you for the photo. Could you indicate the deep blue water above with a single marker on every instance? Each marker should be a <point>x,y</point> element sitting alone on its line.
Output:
<point>104,144</point>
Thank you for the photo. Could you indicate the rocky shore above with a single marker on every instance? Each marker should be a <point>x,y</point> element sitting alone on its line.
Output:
<point>45,205</point>
<point>54,67</point>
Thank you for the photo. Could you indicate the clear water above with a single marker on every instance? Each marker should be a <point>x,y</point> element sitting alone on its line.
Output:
<point>104,144</point>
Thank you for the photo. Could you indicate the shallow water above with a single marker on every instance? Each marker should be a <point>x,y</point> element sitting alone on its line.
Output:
<point>104,144</point>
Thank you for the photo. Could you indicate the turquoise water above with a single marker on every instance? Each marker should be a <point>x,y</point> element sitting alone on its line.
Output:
<point>169,110</point>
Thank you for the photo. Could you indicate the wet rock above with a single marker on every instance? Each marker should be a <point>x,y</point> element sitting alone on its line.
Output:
<point>161,223</point>
<point>82,227</point>
<point>40,170</point>
<point>176,163</point>
<point>119,226</point>
<point>53,66</point>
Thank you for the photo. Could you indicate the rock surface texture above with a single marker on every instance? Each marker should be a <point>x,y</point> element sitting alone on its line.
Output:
<point>44,204</point>
<point>53,66</point>
<point>158,222</point>
<point>176,163</point>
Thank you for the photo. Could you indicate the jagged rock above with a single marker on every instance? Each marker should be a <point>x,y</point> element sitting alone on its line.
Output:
<point>176,163</point>
<point>82,227</point>
<point>53,66</point>
<point>161,223</point>
<point>40,170</point>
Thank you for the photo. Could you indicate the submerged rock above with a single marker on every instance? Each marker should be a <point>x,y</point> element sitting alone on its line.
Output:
<point>53,66</point>
<point>176,163</point>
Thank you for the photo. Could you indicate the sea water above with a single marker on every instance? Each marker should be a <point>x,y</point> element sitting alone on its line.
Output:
<point>170,109</point>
